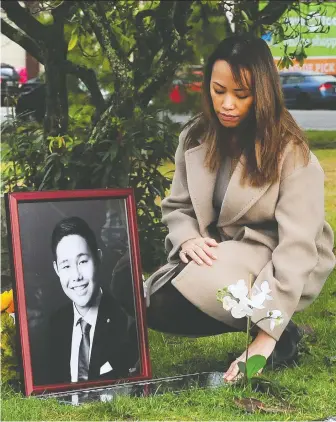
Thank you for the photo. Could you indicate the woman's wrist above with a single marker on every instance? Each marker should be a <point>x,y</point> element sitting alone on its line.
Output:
<point>262,336</point>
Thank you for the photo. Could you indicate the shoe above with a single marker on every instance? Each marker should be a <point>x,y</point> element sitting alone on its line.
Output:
<point>285,352</point>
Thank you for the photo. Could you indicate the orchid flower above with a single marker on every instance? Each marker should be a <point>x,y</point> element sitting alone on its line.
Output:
<point>239,290</point>
<point>238,309</point>
<point>275,318</point>
<point>229,303</point>
<point>260,294</point>
<point>241,310</point>
<point>235,298</point>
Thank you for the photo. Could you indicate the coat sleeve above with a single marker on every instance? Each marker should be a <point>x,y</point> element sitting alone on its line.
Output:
<point>300,216</point>
<point>177,210</point>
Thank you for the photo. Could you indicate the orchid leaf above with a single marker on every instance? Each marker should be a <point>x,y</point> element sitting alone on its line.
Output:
<point>254,364</point>
<point>242,367</point>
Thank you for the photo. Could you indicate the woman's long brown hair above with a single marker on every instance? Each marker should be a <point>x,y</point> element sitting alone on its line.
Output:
<point>269,126</point>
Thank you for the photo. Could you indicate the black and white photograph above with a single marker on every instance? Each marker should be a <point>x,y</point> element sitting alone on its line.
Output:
<point>81,305</point>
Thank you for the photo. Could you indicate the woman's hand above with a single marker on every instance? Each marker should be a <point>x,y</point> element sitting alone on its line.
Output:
<point>198,250</point>
<point>263,345</point>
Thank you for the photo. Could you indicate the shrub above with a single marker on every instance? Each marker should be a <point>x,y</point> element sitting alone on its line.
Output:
<point>140,146</point>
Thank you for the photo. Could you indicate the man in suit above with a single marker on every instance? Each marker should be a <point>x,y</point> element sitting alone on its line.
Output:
<point>91,338</point>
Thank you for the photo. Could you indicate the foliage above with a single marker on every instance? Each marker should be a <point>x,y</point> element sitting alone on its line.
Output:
<point>321,139</point>
<point>68,162</point>
<point>9,364</point>
<point>23,156</point>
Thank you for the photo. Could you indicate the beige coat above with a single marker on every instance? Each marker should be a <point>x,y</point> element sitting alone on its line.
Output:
<point>277,233</point>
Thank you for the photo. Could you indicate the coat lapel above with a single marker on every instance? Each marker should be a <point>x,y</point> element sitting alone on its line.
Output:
<point>201,182</point>
<point>239,199</point>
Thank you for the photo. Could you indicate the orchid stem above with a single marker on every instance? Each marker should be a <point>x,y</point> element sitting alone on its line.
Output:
<point>261,319</point>
<point>247,345</point>
<point>248,331</point>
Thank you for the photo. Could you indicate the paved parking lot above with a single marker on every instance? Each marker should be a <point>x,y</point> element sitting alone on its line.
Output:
<point>307,119</point>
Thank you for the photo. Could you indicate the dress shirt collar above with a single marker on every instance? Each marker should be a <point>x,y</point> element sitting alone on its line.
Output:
<point>91,315</point>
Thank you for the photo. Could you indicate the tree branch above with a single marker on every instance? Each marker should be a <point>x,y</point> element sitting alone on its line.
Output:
<point>22,39</point>
<point>272,12</point>
<point>64,10</point>
<point>142,14</point>
<point>113,40</point>
<point>102,35</point>
<point>88,77</point>
<point>174,30</point>
<point>180,16</point>
<point>24,20</point>
<point>168,65</point>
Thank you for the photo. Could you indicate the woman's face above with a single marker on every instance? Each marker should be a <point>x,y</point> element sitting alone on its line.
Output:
<point>231,102</point>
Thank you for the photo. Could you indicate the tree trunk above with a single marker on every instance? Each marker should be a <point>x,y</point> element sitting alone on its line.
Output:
<point>56,94</point>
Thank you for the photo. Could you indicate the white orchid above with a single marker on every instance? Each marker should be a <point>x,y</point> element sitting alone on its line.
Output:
<point>229,303</point>
<point>238,309</point>
<point>275,318</point>
<point>239,290</point>
<point>236,299</point>
<point>264,288</point>
<point>241,310</point>
<point>245,305</point>
<point>241,304</point>
<point>260,294</point>
<point>238,302</point>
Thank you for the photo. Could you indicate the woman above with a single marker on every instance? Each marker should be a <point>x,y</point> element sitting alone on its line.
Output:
<point>247,197</point>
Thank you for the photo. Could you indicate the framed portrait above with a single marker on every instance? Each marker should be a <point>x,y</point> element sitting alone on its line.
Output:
<point>80,308</point>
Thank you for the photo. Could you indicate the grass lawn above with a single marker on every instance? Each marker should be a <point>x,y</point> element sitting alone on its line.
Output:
<point>312,384</point>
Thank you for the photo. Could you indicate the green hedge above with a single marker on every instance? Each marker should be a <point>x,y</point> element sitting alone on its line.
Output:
<point>321,139</point>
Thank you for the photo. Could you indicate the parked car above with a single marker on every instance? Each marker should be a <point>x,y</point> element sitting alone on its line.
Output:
<point>307,90</point>
<point>190,78</point>
<point>31,101</point>
<point>30,84</point>
<point>9,83</point>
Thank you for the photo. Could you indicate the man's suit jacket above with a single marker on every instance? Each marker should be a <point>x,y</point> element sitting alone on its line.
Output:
<point>115,341</point>
<point>276,233</point>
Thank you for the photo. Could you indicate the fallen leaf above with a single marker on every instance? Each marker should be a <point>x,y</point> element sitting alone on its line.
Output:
<point>275,409</point>
<point>251,405</point>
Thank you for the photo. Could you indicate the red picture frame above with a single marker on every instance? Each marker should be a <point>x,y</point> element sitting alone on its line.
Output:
<point>41,299</point>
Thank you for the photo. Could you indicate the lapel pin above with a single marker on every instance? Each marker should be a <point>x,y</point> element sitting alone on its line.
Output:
<point>108,320</point>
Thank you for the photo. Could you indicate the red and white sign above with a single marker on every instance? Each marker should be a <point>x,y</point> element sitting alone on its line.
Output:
<point>313,64</point>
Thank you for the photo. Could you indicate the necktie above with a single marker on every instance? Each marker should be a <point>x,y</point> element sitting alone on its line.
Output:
<point>84,351</point>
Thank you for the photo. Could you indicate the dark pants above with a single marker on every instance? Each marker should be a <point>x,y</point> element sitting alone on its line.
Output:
<point>171,312</point>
